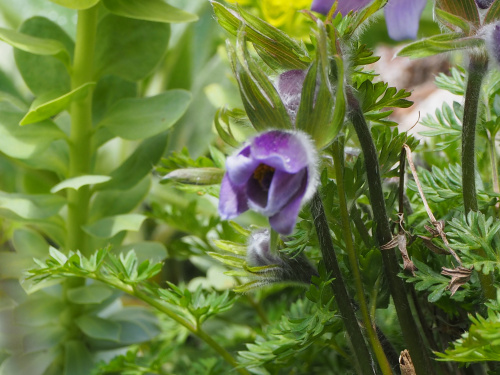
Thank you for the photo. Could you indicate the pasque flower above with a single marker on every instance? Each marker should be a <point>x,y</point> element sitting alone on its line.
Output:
<point>273,174</point>
<point>402,16</point>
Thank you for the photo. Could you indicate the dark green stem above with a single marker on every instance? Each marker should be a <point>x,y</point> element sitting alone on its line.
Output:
<point>361,353</point>
<point>397,287</point>
<point>81,130</point>
<point>338,160</point>
<point>477,69</point>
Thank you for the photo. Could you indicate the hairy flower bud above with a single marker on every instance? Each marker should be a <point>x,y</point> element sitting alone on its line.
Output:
<point>289,86</point>
<point>493,41</point>
<point>296,269</point>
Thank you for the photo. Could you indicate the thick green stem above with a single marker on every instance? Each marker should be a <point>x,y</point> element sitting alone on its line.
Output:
<point>397,287</point>
<point>477,69</point>
<point>81,130</point>
<point>338,160</point>
<point>361,353</point>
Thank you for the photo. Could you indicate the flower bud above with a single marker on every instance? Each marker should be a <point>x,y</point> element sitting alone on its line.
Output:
<point>493,41</point>
<point>296,269</point>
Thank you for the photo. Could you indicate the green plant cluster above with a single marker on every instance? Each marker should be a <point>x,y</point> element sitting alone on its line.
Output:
<point>114,136</point>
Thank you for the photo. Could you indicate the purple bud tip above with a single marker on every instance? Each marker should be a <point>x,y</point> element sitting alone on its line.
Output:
<point>484,4</point>
<point>493,41</point>
<point>289,86</point>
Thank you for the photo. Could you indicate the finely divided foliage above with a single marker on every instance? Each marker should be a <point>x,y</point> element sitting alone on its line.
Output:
<point>219,187</point>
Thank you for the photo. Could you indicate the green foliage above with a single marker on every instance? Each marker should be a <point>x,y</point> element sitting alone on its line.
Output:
<point>476,237</point>
<point>378,96</point>
<point>481,342</point>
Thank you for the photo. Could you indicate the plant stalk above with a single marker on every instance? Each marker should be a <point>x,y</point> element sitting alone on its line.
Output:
<point>338,161</point>
<point>477,69</point>
<point>478,66</point>
<point>383,234</point>
<point>361,352</point>
<point>197,331</point>
<point>81,130</point>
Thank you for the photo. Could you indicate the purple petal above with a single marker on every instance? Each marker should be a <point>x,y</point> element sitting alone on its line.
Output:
<point>281,150</point>
<point>484,4</point>
<point>241,166</point>
<point>403,17</point>
<point>322,6</point>
<point>233,200</point>
<point>283,189</point>
<point>343,6</point>
<point>284,221</point>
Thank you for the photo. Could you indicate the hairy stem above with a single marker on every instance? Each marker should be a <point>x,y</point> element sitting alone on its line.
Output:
<point>477,69</point>
<point>338,160</point>
<point>397,287</point>
<point>361,353</point>
<point>81,130</point>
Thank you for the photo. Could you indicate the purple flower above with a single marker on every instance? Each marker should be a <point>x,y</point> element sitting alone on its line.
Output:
<point>343,6</point>
<point>484,4</point>
<point>273,174</point>
<point>402,16</point>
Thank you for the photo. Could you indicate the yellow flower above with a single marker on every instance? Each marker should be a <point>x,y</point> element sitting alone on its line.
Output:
<point>282,12</point>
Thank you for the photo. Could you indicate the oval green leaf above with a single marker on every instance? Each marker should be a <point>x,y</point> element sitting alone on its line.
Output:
<point>35,45</point>
<point>149,10</point>
<point>23,142</point>
<point>26,206</point>
<point>145,117</point>
<point>89,294</point>
<point>110,226</point>
<point>77,182</point>
<point>46,106</point>
<point>129,48</point>
<point>99,328</point>
<point>43,73</point>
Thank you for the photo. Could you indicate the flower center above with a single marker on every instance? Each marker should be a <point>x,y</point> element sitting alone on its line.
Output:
<point>264,175</point>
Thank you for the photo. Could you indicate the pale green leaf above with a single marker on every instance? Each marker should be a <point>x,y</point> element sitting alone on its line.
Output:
<point>44,73</point>
<point>129,48</point>
<point>145,117</point>
<point>45,107</point>
<point>77,182</point>
<point>35,45</point>
<point>148,10</point>
<point>27,206</point>
<point>99,328</point>
<point>110,226</point>
<point>89,294</point>
<point>26,141</point>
